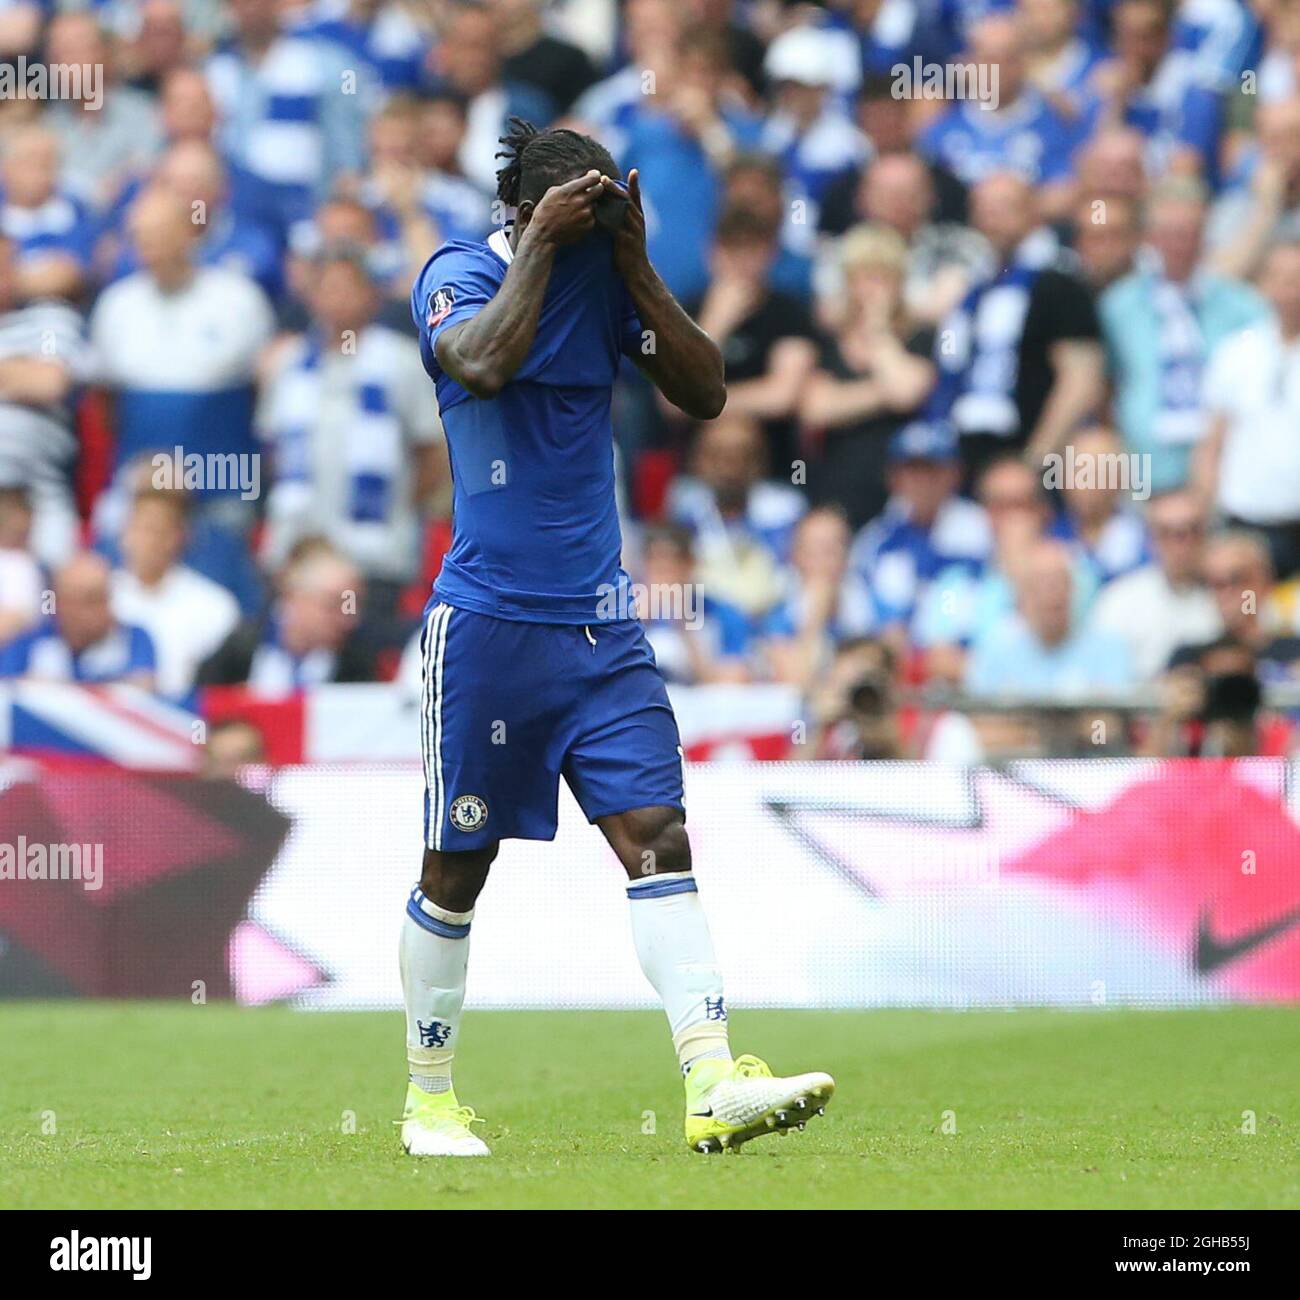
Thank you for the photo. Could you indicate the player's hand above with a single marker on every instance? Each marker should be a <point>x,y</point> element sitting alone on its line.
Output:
<point>629,243</point>
<point>565,214</point>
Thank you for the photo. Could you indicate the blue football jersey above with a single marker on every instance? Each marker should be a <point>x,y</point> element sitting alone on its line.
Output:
<point>536,534</point>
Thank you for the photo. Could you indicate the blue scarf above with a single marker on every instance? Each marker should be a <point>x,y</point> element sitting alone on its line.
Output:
<point>978,348</point>
<point>1180,346</point>
<point>374,447</point>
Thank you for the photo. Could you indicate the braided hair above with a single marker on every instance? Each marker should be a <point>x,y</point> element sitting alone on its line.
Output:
<point>535,160</point>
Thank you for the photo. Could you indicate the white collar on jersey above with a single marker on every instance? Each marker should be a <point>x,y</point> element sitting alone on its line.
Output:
<point>499,243</point>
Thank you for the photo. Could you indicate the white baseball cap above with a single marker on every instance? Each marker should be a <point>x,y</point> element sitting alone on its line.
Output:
<point>814,56</point>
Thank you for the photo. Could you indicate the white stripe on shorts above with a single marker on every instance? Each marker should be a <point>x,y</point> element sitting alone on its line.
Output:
<point>437,721</point>
<point>431,717</point>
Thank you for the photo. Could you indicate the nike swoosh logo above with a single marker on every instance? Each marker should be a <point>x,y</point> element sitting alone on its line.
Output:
<point>1213,952</point>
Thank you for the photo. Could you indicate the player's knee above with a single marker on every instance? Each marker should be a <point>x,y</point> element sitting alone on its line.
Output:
<point>658,842</point>
<point>453,880</point>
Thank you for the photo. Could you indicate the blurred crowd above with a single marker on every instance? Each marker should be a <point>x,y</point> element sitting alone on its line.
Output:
<point>1008,293</point>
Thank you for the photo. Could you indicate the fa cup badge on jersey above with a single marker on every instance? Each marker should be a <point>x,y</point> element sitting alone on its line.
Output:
<point>441,301</point>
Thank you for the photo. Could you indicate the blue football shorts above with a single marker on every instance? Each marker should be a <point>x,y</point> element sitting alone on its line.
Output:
<point>508,708</point>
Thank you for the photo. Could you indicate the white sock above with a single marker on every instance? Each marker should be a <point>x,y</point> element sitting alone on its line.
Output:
<point>434,958</point>
<point>672,941</point>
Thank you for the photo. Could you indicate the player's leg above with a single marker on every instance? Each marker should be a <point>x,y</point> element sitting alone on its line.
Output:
<point>434,946</point>
<point>727,1102</point>
<point>434,959</point>
<point>669,929</point>
<point>485,723</point>
<point>625,771</point>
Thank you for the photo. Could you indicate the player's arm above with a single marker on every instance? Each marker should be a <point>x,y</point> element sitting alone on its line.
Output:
<point>684,363</point>
<point>483,353</point>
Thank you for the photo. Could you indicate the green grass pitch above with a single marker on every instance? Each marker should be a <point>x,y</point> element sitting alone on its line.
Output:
<point>165,1105</point>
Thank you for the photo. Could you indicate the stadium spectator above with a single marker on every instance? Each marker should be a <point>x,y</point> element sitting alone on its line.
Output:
<point>22,584</point>
<point>696,638</point>
<point>356,442</point>
<point>1250,462</point>
<point>1239,573</point>
<point>1040,651</point>
<point>755,181</point>
<point>1279,60</point>
<point>651,32</point>
<point>341,222</point>
<point>292,113</point>
<point>386,36</point>
<point>81,641</point>
<point>20,28</point>
<point>746,48</point>
<point>1097,514</point>
<point>42,358</point>
<point>682,139</point>
<point>1164,604</point>
<point>1058,59</point>
<point>808,130</point>
<point>1211,707</point>
<point>393,189</point>
<point>468,60</point>
<point>154,46</point>
<point>458,208</point>
<point>767,338</point>
<point>1156,88</point>
<point>925,526</point>
<point>177,343</point>
<point>1230,715</point>
<point>108,131</point>
<point>212,548</point>
<point>51,230</point>
<point>1106,237</point>
<point>1161,322</point>
<point>891,124</point>
<point>852,706</point>
<point>1020,364</point>
<point>309,636</point>
<point>193,171</point>
<point>187,108</point>
<point>896,190</point>
<point>232,745</point>
<point>187,615</point>
<point>874,371</point>
<point>825,602</point>
<point>1111,165</point>
<point>742,524</point>
<point>1222,38</point>
<point>1251,216</point>
<point>535,57</point>
<point>1014,129</point>
<point>966,600</point>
